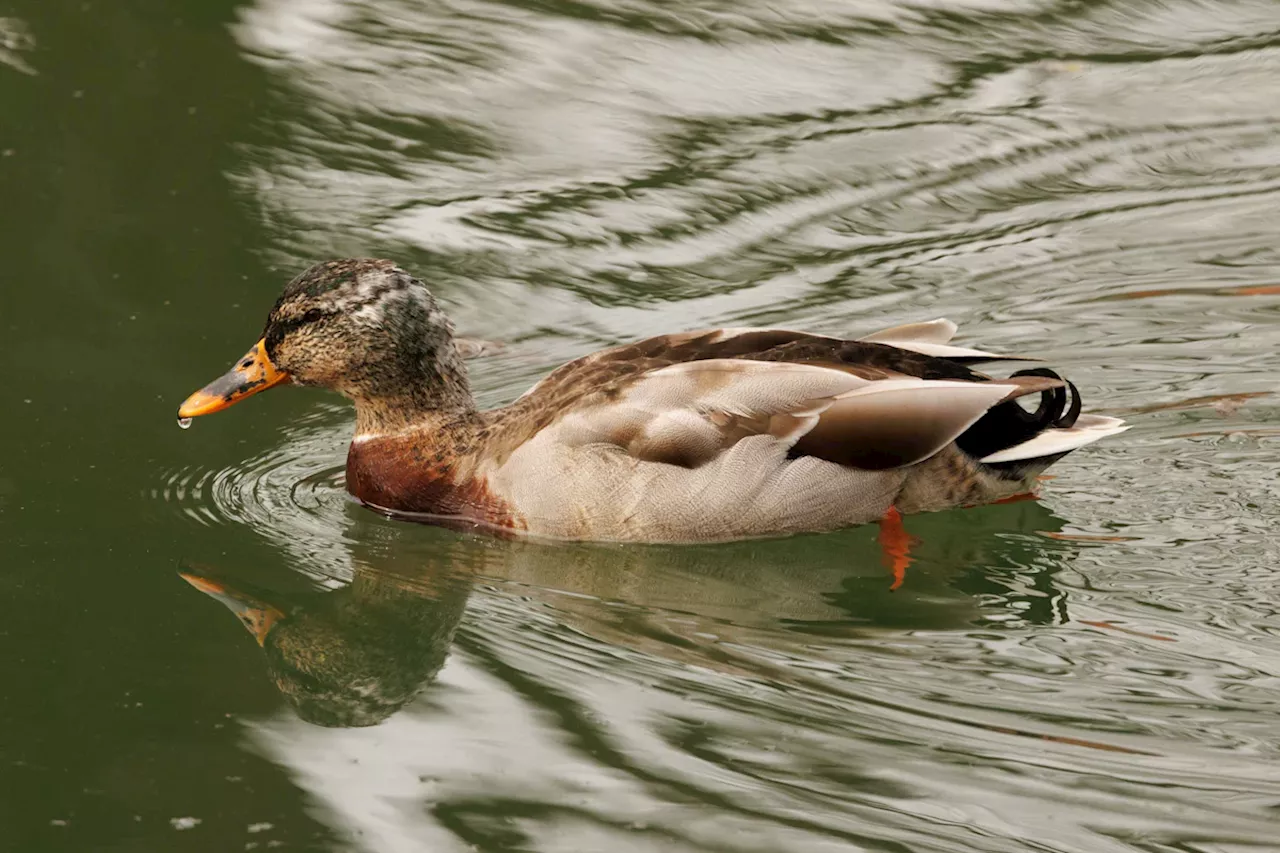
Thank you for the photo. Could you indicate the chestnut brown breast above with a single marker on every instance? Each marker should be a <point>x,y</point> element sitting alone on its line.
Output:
<point>402,477</point>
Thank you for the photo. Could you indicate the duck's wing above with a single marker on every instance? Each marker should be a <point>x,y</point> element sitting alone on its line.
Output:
<point>688,413</point>
<point>934,338</point>
<point>593,371</point>
<point>939,331</point>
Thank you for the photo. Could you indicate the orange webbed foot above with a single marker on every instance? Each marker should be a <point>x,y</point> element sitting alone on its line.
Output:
<point>895,546</point>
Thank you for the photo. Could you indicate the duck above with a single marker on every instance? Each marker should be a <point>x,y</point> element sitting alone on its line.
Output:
<point>694,436</point>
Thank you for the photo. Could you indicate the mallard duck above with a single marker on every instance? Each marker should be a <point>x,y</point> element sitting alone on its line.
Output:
<point>706,435</point>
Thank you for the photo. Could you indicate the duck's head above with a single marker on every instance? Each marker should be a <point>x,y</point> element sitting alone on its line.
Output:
<point>359,326</point>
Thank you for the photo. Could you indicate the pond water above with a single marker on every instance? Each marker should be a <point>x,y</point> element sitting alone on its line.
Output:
<point>1094,183</point>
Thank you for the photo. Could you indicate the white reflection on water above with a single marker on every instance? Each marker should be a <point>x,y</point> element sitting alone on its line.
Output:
<point>15,40</point>
<point>541,733</point>
<point>1092,183</point>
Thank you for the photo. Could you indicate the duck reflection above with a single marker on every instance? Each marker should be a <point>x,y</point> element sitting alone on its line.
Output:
<point>969,567</point>
<point>355,655</point>
<point>352,656</point>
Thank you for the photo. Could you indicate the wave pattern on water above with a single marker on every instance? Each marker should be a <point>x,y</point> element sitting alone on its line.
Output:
<point>293,494</point>
<point>1092,183</point>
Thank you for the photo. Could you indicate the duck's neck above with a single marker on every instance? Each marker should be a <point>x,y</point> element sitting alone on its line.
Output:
<point>422,392</point>
<point>393,416</point>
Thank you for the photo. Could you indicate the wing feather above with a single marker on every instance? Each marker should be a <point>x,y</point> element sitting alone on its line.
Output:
<point>687,414</point>
<point>934,338</point>
<point>939,331</point>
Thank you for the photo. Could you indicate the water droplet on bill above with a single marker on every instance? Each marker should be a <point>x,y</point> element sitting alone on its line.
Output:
<point>184,423</point>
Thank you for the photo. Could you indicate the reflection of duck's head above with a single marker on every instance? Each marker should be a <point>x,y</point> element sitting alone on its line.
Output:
<point>354,656</point>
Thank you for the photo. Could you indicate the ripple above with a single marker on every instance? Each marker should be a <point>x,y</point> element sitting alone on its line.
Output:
<point>1090,183</point>
<point>292,494</point>
<point>940,742</point>
<point>590,175</point>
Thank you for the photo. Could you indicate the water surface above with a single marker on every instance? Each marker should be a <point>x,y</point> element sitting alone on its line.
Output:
<point>1094,183</point>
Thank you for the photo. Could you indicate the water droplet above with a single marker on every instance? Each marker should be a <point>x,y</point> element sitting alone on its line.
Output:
<point>184,423</point>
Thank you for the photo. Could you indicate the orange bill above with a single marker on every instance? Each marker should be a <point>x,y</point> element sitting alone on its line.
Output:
<point>256,615</point>
<point>251,374</point>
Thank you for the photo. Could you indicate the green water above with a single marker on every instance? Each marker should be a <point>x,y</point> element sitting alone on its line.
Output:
<point>1095,183</point>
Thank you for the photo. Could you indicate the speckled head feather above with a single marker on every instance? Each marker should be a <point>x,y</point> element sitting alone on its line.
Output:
<point>367,329</point>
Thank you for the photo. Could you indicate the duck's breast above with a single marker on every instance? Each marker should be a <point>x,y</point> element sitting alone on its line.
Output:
<point>405,478</point>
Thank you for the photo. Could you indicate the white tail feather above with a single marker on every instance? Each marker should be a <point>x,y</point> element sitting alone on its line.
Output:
<point>1087,430</point>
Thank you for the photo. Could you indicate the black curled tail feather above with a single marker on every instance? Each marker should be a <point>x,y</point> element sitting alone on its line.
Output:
<point>1008,424</point>
<point>1059,407</point>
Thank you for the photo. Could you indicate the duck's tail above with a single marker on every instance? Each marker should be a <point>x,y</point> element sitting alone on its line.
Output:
<point>1009,435</point>
<point>1056,442</point>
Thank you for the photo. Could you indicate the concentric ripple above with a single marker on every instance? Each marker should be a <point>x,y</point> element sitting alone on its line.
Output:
<point>292,494</point>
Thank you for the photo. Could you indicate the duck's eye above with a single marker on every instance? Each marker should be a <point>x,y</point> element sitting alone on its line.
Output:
<point>312,315</point>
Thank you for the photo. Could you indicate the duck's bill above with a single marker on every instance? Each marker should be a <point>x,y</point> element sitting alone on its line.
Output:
<point>251,374</point>
<point>255,614</point>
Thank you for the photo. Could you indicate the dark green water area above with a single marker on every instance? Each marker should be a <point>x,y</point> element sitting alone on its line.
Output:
<point>1094,183</point>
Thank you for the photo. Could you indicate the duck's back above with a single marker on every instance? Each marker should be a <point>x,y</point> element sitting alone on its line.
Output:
<point>734,433</point>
